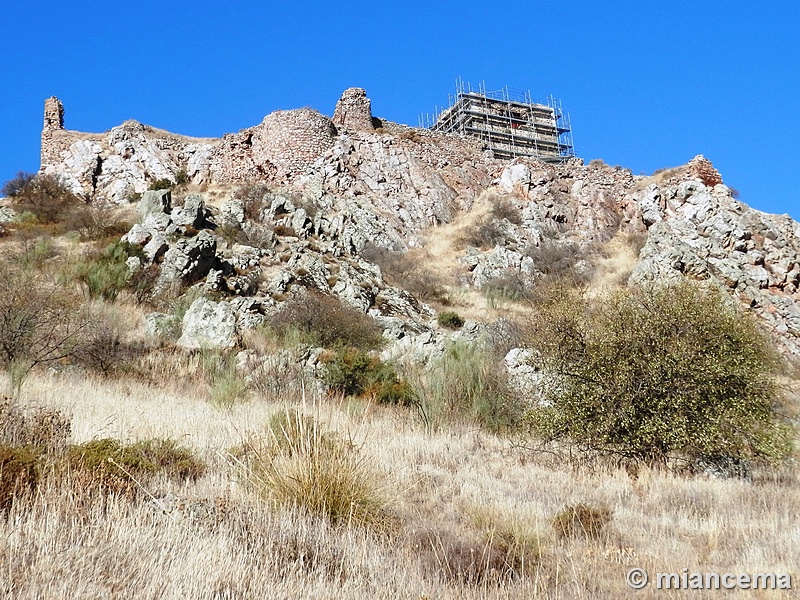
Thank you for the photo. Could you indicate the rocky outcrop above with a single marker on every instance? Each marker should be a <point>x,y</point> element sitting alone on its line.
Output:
<point>704,233</point>
<point>332,187</point>
<point>208,324</point>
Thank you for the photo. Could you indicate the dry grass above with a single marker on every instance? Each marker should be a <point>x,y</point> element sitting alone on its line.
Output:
<point>473,514</point>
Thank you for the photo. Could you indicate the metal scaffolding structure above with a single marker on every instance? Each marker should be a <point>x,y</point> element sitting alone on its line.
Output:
<point>508,122</point>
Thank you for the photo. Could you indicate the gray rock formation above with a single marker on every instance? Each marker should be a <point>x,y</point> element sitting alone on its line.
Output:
<point>208,324</point>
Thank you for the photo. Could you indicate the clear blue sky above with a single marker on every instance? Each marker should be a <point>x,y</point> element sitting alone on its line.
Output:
<point>647,85</point>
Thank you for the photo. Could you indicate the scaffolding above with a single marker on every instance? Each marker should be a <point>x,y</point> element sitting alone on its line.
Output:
<point>508,122</point>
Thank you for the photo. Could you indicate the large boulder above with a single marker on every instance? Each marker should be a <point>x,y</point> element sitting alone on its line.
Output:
<point>155,201</point>
<point>190,259</point>
<point>208,324</point>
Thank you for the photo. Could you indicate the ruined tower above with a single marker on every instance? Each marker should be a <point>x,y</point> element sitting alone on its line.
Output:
<point>52,132</point>
<point>353,111</point>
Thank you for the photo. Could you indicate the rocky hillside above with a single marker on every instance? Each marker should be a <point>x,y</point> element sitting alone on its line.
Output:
<point>401,222</point>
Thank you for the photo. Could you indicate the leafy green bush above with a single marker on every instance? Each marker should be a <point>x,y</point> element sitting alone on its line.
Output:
<point>355,373</point>
<point>654,375</point>
<point>450,319</point>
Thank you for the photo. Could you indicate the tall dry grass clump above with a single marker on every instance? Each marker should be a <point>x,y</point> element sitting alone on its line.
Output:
<point>302,465</point>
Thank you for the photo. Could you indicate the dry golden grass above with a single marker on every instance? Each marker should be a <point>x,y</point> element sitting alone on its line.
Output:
<point>474,514</point>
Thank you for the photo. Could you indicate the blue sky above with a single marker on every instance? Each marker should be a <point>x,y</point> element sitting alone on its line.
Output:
<point>647,85</point>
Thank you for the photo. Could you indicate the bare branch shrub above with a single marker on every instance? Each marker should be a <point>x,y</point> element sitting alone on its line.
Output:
<point>327,322</point>
<point>407,273</point>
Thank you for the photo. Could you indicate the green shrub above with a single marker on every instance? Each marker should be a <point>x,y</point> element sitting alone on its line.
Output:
<point>467,382</point>
<point>181,177</point>
<point>355,373</point>
<point>327,322</point>
<point>112,467</point>
<point>581,520</point>
<point>657,375</point>
<point>161,184</point>
<point>226,385</point>
<point>106,274</point>
<point>450,319</point>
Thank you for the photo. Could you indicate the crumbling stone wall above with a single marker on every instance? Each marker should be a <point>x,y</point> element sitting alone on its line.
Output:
<point>701,168</point>
<point>353,111</point>
<point>283,145</point>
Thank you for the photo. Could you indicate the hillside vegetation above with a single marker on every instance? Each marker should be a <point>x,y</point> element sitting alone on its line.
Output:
<point>262,391</point>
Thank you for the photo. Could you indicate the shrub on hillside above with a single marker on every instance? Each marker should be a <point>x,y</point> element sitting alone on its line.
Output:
<point>42,321</point>
<point>44,196</point>
<point>450,319</point>
<point>467,382</point>
<point>326,322</point>
<point>654,375</point>
<point>105,274</point>
<point>13,187</point>
<point>403,271</point>
<point>161,184</point>
<point>355,373</point>
<point>109,466</point>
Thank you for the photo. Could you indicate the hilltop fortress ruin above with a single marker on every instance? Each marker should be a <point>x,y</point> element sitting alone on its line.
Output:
<point>125,160</point>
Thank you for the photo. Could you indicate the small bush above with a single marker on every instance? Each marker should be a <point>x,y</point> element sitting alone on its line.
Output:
<point>181,177</point>
<point>406,272</point>
<point>254,199</point>
<point>486,234</point>
<point>226,386</point>
<point>106,274</point>
<point>45,196</point>
<point>581,520</point>
<point>450,319</point>
<point>14,187</point>
<point>19,474</point>
<point>161,184</point>
<point>41,321</point>
<point>303,466</point>
<point>327,322</point>
<point>466,382</point>
<point>561,259</point>
<point>505,209</point>
<point>355,373</point>
<point>109,466</point>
